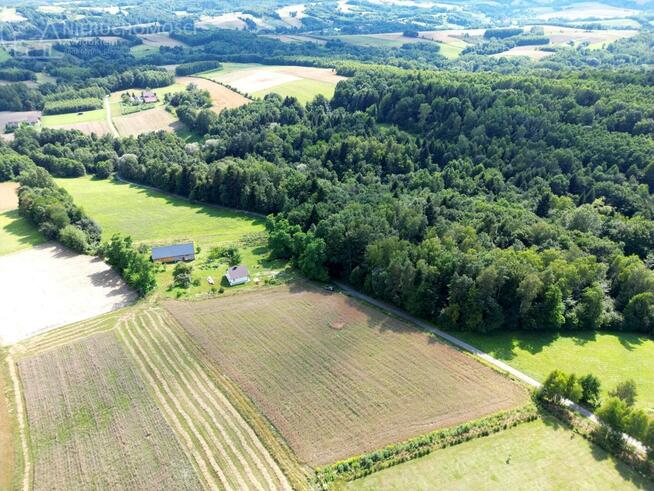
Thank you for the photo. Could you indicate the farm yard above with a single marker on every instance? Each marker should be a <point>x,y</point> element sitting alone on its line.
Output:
<point>295,81</point>
<point>16,116</point>
<point>536,455</point>
<point>337,377</point>
<point>154,117</point>
<point>155,218</point>
<point>52,287</point>
<point>612,357</point>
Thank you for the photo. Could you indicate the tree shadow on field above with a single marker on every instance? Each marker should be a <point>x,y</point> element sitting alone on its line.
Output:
<point>23,231</point>
<point>598,453</point>
<point>209,209</point>
<point>108,279</point>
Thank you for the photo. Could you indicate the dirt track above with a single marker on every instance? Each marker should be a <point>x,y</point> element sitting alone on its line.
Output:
<point>49,286</point>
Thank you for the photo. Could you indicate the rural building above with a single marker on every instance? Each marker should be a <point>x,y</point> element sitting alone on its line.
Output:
<point>149,97</point>
<point>237,275</point>
<point>174,253</point>
<point>30,120</point>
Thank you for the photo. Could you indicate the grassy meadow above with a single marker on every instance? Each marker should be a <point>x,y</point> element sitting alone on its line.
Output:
<point>304,90</point>
<point>74,117</point>
<point>17,233</point>
<point>154,218</point>
<point>536,455</point>
<point>612,357</point>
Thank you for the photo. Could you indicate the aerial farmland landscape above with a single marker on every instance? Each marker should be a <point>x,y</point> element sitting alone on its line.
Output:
<point>335,245</point>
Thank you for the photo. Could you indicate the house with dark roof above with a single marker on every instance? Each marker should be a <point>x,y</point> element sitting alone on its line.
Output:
<point>237,275</point>
<point>174,253</point>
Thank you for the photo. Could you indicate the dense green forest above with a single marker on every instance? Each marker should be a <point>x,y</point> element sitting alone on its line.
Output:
<point>481,201</point>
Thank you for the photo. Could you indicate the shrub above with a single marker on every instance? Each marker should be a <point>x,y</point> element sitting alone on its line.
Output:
<point>182,275</point>
<point>74,238</point>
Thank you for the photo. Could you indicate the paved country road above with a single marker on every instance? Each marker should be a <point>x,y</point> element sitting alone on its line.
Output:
<point>479,353</point>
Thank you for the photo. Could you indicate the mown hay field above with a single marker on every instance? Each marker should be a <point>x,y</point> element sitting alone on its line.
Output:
<point>125,401</point>
<point>336,377</point>
<point>92,423</point>
<point>137,123</point>
<point>538,455</point>
<point>221,96</point>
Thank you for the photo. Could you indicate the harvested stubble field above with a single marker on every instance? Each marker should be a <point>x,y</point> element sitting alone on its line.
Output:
<point>221,96</point>
<point>336,377</point>
<point>125,401</point>
<point>92,423</point>
<point>146,121</point>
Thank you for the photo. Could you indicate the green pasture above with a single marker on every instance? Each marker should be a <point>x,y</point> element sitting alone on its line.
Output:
<point>612,357</point>
<point>143,50</point>
<point>154,218</point>
<point>451,50</point>
<point>363,40</point>
<point>4,56</point>
<point>72,118</point>
<point>537,455</point>
<point>228,68</point>
<point>304,90</point>
<point>17,233</point>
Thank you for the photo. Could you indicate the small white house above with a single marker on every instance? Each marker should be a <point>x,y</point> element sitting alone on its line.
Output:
<point>237,275</point>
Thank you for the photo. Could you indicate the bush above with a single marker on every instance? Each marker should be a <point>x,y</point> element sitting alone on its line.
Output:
<point>182,275</point>
<point>104,169</point>
<point>74,238</point>
<point>136,269</point>
<point>230,254</point>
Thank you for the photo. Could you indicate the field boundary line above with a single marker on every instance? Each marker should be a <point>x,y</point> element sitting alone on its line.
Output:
<point>173,420</point>
<point>204,382</point>
<point>192,201</point>
<point>21,417</point>
<point>110,121</point>
<point>189,420</point>
<point>263,430</point>
<point>459,343</point>
<point>213,427</point>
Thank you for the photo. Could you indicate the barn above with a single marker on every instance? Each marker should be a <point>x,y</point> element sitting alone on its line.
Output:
<point>174,253</point>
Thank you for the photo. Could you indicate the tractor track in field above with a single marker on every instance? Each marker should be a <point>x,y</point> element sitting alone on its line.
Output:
<point>149,372</point>
<point>208,388</point>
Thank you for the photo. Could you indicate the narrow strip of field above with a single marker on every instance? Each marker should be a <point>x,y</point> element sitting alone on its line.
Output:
<point>225,449</point>
<point>221,96</point>
<point>92,423</point>
<point>336,377</point>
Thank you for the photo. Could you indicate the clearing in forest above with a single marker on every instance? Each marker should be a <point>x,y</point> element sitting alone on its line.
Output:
<point>337,377</point>
<point>259,80</point>
<point>538,455</point>
<point>87,122</point>
<point>221,96</point>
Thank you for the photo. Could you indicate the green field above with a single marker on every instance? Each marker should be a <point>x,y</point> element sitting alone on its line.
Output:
<point>228,68</point>
<point>4,56</point>
<point>72,118</point>
<point>363,40</point>
<point>155,218</point>
<point>16,233</point>
<point>536,455</point>
<point>612,357</point>
<point>143,50</point>
<point>451,50</point>
<point>304,90</point>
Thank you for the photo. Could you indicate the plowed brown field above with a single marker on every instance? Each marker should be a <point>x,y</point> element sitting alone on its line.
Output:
<point>337,377</point>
